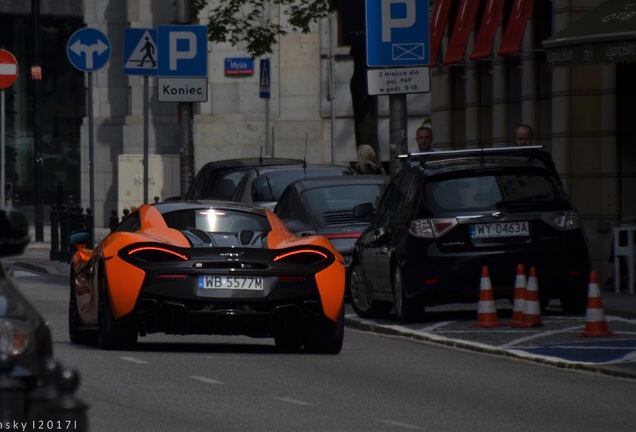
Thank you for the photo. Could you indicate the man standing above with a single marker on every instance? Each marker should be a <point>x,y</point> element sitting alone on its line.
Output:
<point>524,135</point>
<point>424,139</point>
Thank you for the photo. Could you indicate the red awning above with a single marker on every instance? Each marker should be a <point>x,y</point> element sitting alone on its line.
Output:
<point>438,24</point>
<point>488,29</point>
<point>461,31</point>
<point>516,28</point>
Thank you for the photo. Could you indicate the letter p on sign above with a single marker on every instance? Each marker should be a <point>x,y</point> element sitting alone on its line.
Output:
<point>182,46</point>
<point>402,20</point>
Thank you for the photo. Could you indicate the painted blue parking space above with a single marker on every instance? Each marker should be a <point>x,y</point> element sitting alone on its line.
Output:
<point>605,351</point>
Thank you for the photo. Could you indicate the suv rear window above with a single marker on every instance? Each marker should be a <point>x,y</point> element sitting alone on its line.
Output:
<point>489,191</point>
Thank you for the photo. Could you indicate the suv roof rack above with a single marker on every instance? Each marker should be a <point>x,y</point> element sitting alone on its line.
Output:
<point>511,151</point>
<point>532,153</point>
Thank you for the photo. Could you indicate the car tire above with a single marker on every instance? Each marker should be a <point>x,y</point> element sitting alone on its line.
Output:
<point>406,310</point>
<point>110,334</point>
<point>326,340</point>
<point>76,335</point>
<point>360,298</point>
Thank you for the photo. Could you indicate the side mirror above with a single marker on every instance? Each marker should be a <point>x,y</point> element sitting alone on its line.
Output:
<point>80,237</point>
<point>14,232</point>
<point>363,212</point>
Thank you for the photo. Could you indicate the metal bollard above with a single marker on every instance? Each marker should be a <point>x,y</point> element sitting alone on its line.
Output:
<point>54,254</point>
<point>114,220</point>
<point>68,409</point>
<point>40,399</point>
<point>89,222</point>
<point>64,233</point>
<point>12,392</point>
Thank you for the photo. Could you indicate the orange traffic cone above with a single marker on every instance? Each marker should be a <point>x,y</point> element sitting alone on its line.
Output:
<point>531,304</point>
<point>486,309</point>
<point>520,295</point>
<point>595,323</point>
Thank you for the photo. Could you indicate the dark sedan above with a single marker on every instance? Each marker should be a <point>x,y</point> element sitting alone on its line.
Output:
<point>218,180</point>
<point>324,206</point>
<point>263,186</point>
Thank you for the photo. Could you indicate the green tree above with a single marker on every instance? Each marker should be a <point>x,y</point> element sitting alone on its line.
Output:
<point>247,23</point>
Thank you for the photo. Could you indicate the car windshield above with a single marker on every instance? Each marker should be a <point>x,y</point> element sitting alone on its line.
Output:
<point>492,191</point>
<point>343,197</point>
<point>270,186</point>
<point>216,220</point>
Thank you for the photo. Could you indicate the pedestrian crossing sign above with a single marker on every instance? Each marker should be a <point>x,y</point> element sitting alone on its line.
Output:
<point>140,51</point>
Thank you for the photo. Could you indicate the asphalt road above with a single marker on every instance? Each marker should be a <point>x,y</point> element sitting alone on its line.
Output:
<point>556,342</point>
<point>379,382</point>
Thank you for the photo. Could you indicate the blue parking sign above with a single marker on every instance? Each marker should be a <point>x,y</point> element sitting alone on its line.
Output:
<point>397,33</point>
<point>182,51</point>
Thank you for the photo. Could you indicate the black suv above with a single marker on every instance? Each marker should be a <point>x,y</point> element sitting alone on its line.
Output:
<point>448,213</point>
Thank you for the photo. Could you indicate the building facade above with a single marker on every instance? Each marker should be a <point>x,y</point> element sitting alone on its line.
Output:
<point>580,111</point>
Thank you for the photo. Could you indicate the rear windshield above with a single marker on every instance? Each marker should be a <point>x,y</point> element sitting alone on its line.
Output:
<point>270,186</point>
<point>344,197</point>
<point>491,191</point>
<point>219,184</point>
<point>216,220</point>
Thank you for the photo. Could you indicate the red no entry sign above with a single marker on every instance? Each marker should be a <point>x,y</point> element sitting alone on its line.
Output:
<point>8,69</point>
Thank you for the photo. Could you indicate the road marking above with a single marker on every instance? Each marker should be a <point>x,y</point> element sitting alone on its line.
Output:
<point>402,425</point>
<point>21,274</point>
<point>135,360</point>
<point>294,401</point>
<point>538,335</point>
<point>206,380</point>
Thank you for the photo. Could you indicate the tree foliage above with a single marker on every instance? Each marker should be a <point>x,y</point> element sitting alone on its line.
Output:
<point>248,23</point>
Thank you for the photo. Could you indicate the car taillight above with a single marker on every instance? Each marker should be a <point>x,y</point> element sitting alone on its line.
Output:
<point>431,228</point>
<point>155,254</point>
<point>564,221</point>
<point>303,256</point>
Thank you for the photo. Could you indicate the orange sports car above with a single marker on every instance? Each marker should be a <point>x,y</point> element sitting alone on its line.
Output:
<point>185,267</point>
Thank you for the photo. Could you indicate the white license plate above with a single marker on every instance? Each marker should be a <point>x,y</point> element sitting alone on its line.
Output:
<point>231,282</point>
<point>500,229</point>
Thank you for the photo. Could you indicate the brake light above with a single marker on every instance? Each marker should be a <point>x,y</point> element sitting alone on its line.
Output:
<point>431,228</point>
<point>303,256</point>
<point>564,221</point>
<point>155,254</point>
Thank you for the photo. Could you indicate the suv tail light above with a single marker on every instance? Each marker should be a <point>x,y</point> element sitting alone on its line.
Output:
<point>431,228</point>
<point>563,221</point>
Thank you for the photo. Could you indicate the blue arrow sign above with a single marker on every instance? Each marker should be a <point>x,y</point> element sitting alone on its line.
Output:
<point>140,51</point>
<point>397,33</point>
<point>88,49</point>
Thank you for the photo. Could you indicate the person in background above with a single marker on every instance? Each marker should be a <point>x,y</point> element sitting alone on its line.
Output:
<point>424,139</point>
<point>367,162</point>
<point>524,135</point>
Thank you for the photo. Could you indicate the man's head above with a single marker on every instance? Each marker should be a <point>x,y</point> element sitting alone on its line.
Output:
<point>523,135</point>
<point>424,138</point>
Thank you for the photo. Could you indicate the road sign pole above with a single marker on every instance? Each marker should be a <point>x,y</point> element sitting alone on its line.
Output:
<point>91,153</point>
<point>146,179</point>
<point>186,117</point>
<point>397,129</point>
<point>3,198</point>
